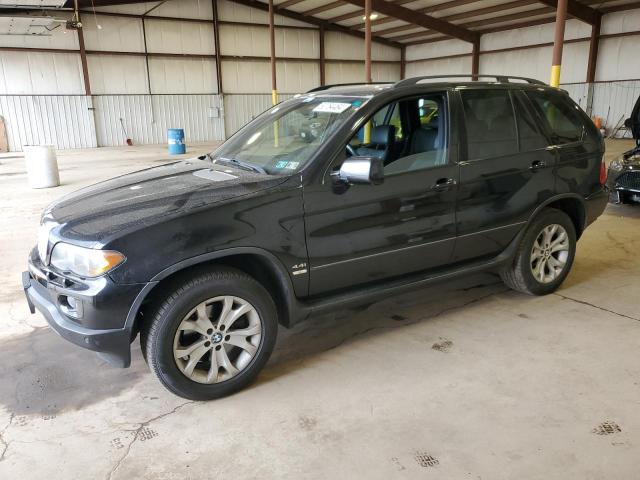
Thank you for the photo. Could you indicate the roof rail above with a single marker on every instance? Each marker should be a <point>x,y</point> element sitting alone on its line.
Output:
<point>327,87</point>
<point>499,78</point>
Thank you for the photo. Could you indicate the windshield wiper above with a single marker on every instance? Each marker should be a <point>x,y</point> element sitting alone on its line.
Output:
<point>240,164</point>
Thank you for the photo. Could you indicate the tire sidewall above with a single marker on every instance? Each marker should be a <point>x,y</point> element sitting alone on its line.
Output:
<point>174,311</point>
<point>547,217</point>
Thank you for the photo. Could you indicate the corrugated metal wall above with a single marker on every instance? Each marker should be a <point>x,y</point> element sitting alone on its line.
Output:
<point>240,109</point>
<point>64,121</point>
<point>147,117</point>
<point>614,101</point>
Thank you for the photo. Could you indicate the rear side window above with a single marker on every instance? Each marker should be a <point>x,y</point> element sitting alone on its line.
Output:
<point>562,118</point>
<point>529,131</point>
<point>490,123</point>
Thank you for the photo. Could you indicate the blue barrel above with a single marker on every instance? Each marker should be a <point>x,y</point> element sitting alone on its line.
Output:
<point>175,137</point>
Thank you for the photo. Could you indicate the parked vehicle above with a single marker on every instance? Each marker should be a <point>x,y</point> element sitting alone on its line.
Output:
<point>339,197</point>
<point>623,176</point>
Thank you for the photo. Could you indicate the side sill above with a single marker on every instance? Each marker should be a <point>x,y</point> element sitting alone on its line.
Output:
<point>372,293</point>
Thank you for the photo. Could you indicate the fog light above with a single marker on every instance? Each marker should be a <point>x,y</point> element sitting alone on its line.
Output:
<point>70,306</point>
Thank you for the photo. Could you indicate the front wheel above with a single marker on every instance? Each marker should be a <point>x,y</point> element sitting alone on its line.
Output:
<point>212,335</point>
<point>545,255</point>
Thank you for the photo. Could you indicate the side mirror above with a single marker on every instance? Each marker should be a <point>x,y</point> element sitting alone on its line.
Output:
<point>361,170</point>
<point>628,123</point>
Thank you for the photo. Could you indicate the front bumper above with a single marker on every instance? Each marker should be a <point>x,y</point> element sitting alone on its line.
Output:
<point>100,324</point>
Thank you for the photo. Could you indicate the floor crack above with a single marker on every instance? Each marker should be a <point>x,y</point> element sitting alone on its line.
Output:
<point>564,297</point>
<point>4,445</point>
<point>136,433</point>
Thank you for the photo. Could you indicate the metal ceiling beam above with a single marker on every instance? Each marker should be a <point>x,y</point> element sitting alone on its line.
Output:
<point>463,15</point>
<point>419,19</point>
<point>313,21</point>
<point>380,21</point>
<point>576,10</point>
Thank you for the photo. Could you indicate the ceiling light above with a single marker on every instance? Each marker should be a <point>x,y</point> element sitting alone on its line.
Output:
<point>373,16</point>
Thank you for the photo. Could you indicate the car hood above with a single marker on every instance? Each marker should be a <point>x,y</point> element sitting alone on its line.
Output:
<point>95,213</point>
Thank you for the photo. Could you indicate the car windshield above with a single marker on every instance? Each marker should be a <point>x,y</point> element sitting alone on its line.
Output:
<point>284,138</point>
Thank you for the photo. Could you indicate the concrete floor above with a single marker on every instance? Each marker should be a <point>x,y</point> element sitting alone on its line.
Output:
<point>464,380</point>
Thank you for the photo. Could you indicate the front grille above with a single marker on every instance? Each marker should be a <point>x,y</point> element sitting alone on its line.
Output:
<point>629,180</point>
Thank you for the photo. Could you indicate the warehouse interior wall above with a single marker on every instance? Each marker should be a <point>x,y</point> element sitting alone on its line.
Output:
<point>43,98</point>
<point>527,52</point>
<point>156,74</point>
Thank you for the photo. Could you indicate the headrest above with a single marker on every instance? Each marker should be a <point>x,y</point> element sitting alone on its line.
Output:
<point>383,134</point>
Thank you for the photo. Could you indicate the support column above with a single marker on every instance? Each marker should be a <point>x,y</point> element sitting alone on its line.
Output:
<point>322,56</point>
<point>475,59</point>
<point>216,39</point>
<point>367,41</point>
<point>403,62</point>
<point>83,60</point>
<point>593,49</point>
<point>272,43</point>
<point>367,59</point>
<point>558,42</point>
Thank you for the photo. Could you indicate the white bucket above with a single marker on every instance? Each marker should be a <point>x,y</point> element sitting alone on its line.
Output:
<point>42,166</point>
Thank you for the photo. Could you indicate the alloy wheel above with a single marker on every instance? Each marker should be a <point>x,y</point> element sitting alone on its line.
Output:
<point>549,253</point>
<point>217,339</point>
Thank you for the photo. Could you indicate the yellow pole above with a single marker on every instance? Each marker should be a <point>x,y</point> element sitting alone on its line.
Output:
<point>274,88</point>
<point>367,58</point>
<point>561,17</point>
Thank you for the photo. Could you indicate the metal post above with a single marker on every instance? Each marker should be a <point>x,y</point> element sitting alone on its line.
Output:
<point>274,86</point>
<point>475,59</point>
<point>322,56</point>
<point>367,41</point>
<point>403,62</point>
<point>272,42</point>
<point>216,39</point>
<point>561,17</point>
<point>83,60</point>
<point>593,49</point>
<point>367,59</point>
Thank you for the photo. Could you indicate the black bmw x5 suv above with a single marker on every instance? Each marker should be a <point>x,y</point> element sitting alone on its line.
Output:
<point>338,197</point>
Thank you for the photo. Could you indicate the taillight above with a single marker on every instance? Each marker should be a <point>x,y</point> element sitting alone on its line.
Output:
<point>603,173</point>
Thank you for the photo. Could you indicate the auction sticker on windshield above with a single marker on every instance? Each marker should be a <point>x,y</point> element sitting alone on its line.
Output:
<point>332,107</point>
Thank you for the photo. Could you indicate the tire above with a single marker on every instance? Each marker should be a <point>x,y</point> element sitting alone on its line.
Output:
<point>230,356</point>
<point>525,274</point>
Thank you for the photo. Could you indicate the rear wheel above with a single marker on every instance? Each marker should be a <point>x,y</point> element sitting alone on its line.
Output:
<point>212,335</point>
<point>545,255</point>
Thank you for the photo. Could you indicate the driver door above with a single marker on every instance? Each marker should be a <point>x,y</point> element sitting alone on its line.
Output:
<point>367,233</point>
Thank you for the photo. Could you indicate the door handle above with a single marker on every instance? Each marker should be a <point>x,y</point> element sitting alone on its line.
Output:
<point>443,184</point>
<point>537,165</point>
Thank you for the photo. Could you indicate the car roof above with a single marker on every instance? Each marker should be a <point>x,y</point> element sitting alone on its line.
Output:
<point>433,83</point>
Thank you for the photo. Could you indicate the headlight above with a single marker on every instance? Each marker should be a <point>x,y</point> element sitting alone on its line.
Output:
<point>616,165</point>
<point>86,262</point>
<point>43,240</point>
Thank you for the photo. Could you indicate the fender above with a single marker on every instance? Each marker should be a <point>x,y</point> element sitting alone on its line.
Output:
<point>555,198</point>
<point>283,276</point>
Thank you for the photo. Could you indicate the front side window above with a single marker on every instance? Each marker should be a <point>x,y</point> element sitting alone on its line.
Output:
<point>412,136</point>
<point>490,123</point>
<point>283,139</point>
<point>562,118</point>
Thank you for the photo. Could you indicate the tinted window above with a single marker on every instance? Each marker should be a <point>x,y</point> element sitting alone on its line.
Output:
<point>412,137</point>
<point>531,138</point>
<point>563,120</point>
<point>490,123</point>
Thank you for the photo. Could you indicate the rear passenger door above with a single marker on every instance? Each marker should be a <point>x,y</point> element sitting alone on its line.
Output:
<point>573,138</point>
<point>506,173</point>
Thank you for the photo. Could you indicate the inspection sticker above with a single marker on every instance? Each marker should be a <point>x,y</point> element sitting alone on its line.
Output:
<point>332,107</point>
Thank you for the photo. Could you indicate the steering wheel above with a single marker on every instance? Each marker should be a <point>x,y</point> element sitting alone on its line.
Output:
<point>351,151</point>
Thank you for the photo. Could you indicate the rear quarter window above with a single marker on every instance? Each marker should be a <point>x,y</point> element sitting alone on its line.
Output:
<point>563,118</point>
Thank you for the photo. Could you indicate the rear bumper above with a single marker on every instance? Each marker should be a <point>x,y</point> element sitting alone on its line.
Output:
<point>595,205</point>
<point>100,324</point>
